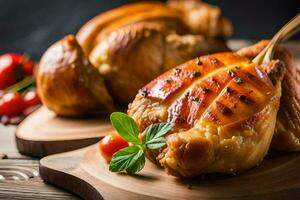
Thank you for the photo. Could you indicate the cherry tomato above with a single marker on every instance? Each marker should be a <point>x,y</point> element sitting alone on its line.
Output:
<point>31,98</point>
<point>110,144</point>
<point>11,104</point>
<point>13,68</point>
<point>24,61</point>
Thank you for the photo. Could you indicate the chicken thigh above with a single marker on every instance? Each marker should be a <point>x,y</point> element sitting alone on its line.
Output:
<point>223,108</point>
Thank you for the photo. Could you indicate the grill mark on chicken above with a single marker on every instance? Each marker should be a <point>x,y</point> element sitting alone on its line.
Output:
<point>247,81</point>
<point>192,97</point>
<point>214,82</point>
<point>202,94</point>
<point>245,99</point>
<point>143,92</point>
<point>223,109</point>
<point>210,61</point>
<point>182,79</point>
<point>227,112</point>
<point>248,96</point>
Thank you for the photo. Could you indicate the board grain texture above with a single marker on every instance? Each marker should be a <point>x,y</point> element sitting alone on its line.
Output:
<point>85,173</point>
<point>43,133</point>
<point>19,177</point>
<point>19,180</point>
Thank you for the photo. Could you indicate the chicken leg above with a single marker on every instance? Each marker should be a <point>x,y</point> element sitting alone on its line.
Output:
<point>223,108</point>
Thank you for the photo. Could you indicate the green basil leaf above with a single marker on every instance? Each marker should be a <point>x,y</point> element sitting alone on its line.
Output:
<point>154,133</point>
<point>125,126</point>
<point>137,163</point>
<point>131,159</point>
<point>156,143</point>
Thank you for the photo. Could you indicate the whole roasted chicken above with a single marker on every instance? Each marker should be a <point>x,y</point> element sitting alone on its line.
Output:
<point>223,107</point>
<point>119,51</point>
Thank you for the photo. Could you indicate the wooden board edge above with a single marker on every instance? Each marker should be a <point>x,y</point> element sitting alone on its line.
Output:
<point>71,177</point>
<point>67,171</point>
<point>42,125</point>
<point>68,182</point>
<point>40,149</point>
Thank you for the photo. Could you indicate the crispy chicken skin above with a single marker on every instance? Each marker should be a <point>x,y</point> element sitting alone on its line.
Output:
<point>68,84</point>
<point>133,55</point>
<point>202,18</point>
<point>287,134</point>
<point>223,108</point>
<point>287,131</point>
<point>128,47</point>
<point>138,44</point>
<point>209,22</point>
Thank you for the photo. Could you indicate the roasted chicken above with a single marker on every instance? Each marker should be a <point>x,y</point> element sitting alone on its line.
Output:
<point>223,107</point>
<point>128,46</point>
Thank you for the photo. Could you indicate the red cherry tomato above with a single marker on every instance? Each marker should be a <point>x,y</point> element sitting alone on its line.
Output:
<point>21,59</point>
<point>31,98</point>
<point>11,104</point>
<point>13,68</point>
<point>110,144</point>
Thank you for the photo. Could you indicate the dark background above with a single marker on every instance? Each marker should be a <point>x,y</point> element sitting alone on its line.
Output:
<point>31,26</point>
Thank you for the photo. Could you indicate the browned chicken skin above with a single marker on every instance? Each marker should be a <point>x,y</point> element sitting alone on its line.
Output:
<point>287,131</point>
<point>133,55</point>
<point>223,108</point>
<point>202,18</point>
<point>68,84</point>
<point>129,46</point>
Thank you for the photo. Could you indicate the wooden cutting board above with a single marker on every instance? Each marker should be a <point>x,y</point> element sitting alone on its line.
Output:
<point>43,133</point>
<point>85,173</point>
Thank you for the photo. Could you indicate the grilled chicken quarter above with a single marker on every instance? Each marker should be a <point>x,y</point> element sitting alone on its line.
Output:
<point>223,107</point>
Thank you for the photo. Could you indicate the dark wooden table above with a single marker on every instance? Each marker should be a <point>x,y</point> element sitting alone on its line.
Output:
<point>19,177</point>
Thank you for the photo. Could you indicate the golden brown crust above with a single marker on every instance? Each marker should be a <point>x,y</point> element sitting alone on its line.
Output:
<point>180,48</point>
<point>287,132</point>
<point>169,18</point>
<point>202,18</point>
<point>68,84</point>
<point>129,46</point>
<point>90,30</point>
<point>209,23</point>
<point>129,58</point>
<point>133,55</point>
<point>253,50</point>
<point>223,109</point>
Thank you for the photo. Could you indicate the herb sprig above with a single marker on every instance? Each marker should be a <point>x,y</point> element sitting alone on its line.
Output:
<point>132,158</point>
